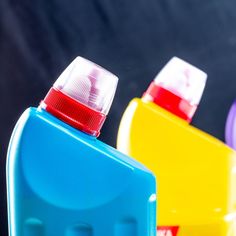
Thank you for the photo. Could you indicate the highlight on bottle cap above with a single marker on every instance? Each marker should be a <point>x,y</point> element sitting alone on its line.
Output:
<point>178,88</point>
<point>89,84</point>
<point>230,127</point>
<point>182,79</point>
<point>82,95</point>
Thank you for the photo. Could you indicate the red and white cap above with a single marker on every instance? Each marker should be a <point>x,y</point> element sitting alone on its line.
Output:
<point>178,88</point>
<point>82,96</point>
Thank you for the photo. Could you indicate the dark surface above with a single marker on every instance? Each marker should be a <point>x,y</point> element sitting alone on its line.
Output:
<point>133,39</point>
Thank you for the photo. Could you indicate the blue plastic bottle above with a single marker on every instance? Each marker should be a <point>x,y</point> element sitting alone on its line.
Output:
<point>62,181</point>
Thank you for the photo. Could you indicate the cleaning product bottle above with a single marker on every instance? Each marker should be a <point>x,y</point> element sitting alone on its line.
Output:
<point>230,127</point>
<point>62,181</point>
<point>195,171</point>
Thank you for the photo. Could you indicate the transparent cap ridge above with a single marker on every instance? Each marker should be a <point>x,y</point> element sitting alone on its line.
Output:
<point>182,79</point>
<point>89,84</point>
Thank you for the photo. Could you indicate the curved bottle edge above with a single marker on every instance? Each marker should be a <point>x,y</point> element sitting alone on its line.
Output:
<point>33,111</point>
<point>110,151</point>
<point>229,126</point>
<point>100,146</point>
<point>173,118</point>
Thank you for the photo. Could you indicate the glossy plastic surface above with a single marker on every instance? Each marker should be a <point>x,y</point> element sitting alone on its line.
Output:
<point>178,88</point>
<point>182,79</point>
<point>230,127</point>
<point>89,84</point>
<point>82,96</point>
<point>196,173</point>
<point>62,182</point>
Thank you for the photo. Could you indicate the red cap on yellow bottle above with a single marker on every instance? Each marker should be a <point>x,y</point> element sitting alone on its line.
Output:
<point>178,88</point>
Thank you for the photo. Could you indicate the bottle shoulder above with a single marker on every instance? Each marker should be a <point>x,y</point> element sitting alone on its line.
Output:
<point>56,160</point>
<point>163,120</point>
<point>35,123</point>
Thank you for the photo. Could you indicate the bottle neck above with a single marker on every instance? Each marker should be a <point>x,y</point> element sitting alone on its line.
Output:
<point>73,112</point>
<point>170,101</point>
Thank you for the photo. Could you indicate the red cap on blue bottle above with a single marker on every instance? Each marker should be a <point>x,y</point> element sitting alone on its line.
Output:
<point>82,96</point>
<point>177,88</point>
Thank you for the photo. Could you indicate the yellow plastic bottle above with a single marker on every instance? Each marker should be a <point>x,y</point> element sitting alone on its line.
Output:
<point>196,173</point>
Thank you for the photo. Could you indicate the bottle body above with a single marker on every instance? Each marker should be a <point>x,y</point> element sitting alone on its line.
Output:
<point>195,172</point>
<point>61,181</point>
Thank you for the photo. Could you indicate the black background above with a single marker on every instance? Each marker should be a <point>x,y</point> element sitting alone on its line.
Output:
<point>133,39</point>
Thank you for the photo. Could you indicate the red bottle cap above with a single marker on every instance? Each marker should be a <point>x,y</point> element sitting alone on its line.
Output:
<point>82,96</point>
<point>177,88</point>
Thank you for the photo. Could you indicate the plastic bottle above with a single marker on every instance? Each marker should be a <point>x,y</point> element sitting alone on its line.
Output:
<point>195,171</point>
<point>61,180</point>
<point>230,127</point>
